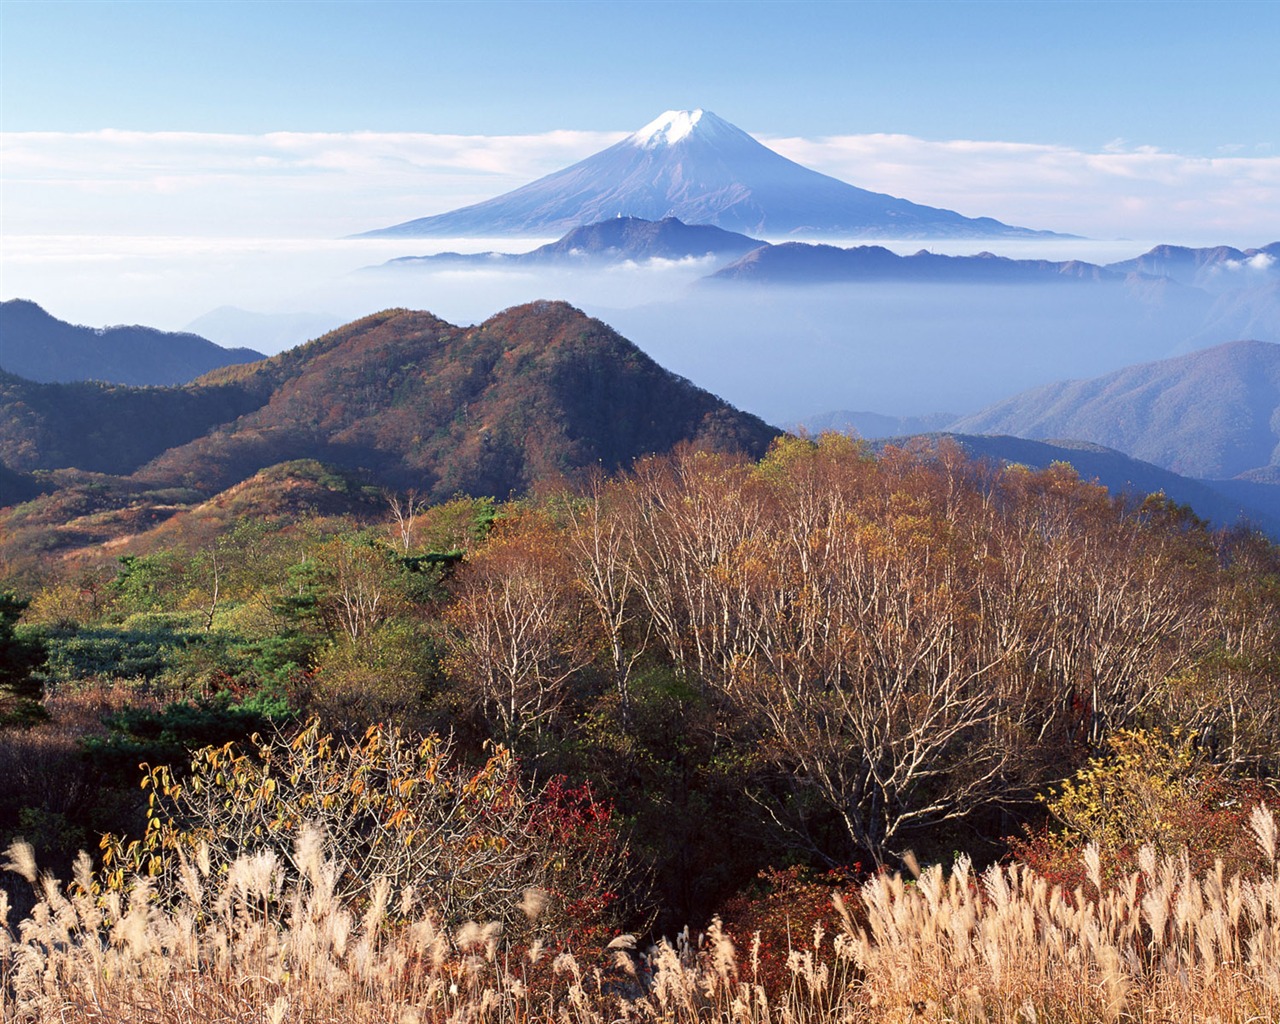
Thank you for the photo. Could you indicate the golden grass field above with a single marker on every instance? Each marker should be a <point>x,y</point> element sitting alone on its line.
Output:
<point>248,944</point>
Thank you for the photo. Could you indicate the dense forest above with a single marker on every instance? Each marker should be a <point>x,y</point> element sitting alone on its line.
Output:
<point>749,696</point>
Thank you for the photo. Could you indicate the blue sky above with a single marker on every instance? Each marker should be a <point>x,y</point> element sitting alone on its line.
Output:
<point>1198,78</point>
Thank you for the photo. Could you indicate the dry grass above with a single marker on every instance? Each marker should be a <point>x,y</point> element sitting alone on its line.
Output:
<point>1164,946</point>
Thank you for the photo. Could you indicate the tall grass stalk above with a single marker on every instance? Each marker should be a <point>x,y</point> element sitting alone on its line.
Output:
<point>1164,944</point>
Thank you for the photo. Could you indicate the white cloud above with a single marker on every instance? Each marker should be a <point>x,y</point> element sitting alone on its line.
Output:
<point>278,184</point>
<point>1121,191</point>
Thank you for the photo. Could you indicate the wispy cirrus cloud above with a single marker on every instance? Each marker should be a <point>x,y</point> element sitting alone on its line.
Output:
<point>284,184</point>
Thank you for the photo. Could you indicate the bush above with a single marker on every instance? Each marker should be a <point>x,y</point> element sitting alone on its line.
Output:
<point>396,810</point>
<point>786,909</point>
<point>111,653</point>
<point>139,737</point>
<point>1147,789</point>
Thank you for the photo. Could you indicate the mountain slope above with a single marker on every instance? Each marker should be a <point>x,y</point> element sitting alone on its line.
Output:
<point>42,348</point>
<point>90,515</point>
<point>806,263</point>
<point>537,392</point>
<point>695,166</point>
<point>1211,414</point>
<point>1215,268</point>
<point>617,240</point>
<point>106,428</point>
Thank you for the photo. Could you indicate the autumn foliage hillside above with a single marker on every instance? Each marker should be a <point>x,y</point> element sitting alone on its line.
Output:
<point>105,428</point>
<point>537,392</point>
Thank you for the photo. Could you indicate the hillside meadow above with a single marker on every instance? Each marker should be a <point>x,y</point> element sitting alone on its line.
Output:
<point>822,736</point>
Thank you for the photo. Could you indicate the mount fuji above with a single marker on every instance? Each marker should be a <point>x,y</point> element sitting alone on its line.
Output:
<point>695,166</point>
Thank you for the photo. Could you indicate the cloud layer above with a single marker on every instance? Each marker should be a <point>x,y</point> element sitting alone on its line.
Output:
<point>289,184</point>
<point>1119,192</point>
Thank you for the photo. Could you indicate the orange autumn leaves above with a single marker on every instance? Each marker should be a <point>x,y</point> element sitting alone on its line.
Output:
<point>912,638</point>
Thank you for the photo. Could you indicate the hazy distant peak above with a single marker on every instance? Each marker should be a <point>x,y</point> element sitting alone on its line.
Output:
<point>38,346</point>
<point>669,128</point>
<point>1211,413</point>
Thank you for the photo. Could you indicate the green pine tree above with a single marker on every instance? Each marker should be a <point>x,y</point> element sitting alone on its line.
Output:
<point>20,656</point>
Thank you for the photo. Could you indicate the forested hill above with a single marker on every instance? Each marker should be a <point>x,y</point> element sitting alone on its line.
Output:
<point>538,392</point>
<point>105,428</point>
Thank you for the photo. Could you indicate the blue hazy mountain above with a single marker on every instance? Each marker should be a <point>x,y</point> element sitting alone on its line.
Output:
<point>267,332</point>
<point>617,240</point>
<point>1214,413</point>
<point>1216,268</point>
<point>1201,297</point>
<point>693,165</point>
<point>805,263</point>
<point>40,347</point>
<point>871,425</point>
<point>1218,271</point>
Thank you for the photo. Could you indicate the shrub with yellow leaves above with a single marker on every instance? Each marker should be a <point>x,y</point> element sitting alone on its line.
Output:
<point>393,810</point>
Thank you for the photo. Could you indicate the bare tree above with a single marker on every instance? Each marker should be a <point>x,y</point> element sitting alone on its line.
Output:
<point>520,628</point>
<point>359,597</point>
<point>603,564</point>
<point>404,510</point>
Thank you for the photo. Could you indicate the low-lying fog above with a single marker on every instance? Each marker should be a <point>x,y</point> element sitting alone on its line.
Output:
<point>784,353</point>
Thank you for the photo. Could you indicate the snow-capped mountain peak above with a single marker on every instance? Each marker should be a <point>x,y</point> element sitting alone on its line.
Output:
<point>695,166</point>
<point>667,129</point>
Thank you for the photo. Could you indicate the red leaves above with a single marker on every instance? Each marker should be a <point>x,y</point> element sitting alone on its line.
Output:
<point>785,906</point>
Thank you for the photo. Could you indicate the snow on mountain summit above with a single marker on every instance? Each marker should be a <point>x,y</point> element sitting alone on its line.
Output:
<point>687,126</point>
<point>667,128</point>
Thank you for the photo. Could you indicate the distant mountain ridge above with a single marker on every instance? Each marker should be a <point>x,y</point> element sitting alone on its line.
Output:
<point>1212,271</point>
<point>1209,268</point>
<point>1245,296</point>
<point>872,425</point>
<point>1212,414</point>
<point>40,347</point>
<point>808,263</point>
<point>698,167</point>
<point>610,241</point>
